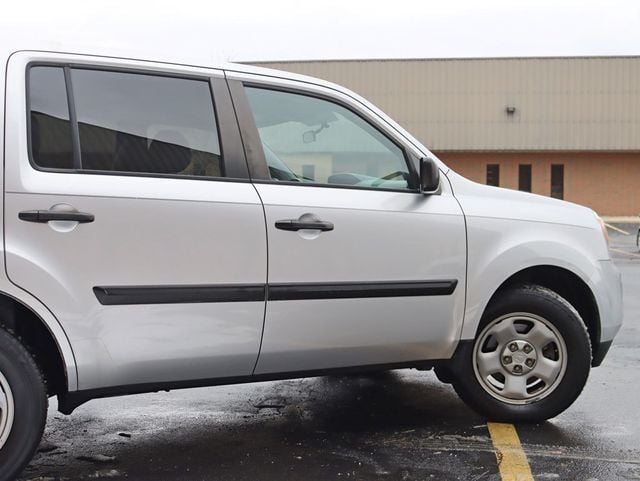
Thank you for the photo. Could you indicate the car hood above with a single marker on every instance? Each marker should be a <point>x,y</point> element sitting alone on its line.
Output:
<point>478,200</point>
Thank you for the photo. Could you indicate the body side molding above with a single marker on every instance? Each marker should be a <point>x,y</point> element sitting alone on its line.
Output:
<point>126,295</point>
<point>353,290</point>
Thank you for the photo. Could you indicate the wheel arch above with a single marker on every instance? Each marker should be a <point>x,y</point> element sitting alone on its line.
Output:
<point>44,339</point>
<point>565,283</point>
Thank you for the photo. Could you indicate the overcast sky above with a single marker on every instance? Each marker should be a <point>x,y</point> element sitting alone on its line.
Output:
<point>242,30</point>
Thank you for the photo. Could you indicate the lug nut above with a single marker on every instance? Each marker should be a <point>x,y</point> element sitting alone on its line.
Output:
<point>517,369</point>
<point>507,359</point>
<point>529,362</point>
<point>527,348</point>
<point>513,347</point>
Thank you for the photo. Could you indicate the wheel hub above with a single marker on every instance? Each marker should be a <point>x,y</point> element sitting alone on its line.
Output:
<point>519,357</point>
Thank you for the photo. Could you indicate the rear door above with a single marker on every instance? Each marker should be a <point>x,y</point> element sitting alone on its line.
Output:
<point>128,213</point>
<point>363,268</point>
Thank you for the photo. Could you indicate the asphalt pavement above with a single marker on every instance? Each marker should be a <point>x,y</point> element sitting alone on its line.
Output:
<point>398,425</point>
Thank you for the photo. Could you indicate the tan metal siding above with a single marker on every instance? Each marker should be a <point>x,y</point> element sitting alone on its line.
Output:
<point>590,103</point>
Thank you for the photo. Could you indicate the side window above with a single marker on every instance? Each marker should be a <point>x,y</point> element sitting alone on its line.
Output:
<point>307,139</point>
<point>51,144</point>
<point>130,122</point>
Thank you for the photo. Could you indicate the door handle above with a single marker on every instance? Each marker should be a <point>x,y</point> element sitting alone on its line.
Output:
<point>296,224</point>
<point>44,216</point>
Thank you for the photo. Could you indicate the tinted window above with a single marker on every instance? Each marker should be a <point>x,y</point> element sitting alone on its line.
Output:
<point>126,122</point>
<point>51,144</point>
<point>144,123</point>
<point>307,139</point>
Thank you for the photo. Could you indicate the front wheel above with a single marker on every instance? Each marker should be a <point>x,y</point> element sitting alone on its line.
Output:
<point>23,406</point>
<point>530,359</point>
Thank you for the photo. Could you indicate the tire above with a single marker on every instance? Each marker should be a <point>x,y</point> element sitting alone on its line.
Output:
<point>25,401</point>
<point>530,359</point>
<point>444,374</point>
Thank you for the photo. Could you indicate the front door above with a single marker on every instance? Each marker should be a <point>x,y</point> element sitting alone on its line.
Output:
<point>363,268</point>
<point>128,214</point>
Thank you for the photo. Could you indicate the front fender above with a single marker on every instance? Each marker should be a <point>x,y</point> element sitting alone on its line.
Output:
<point>499,248</point>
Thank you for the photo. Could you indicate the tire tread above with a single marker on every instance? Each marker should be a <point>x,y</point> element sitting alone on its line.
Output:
<point>26,362</point>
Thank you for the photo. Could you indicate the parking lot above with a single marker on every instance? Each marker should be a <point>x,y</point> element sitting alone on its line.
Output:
<point>399,425</point>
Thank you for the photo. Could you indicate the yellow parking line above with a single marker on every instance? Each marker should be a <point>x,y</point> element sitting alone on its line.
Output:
<point>512,461</point>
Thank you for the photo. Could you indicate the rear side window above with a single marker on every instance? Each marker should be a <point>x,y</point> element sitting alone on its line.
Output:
<point>127,122</point>
<point>51,145</point>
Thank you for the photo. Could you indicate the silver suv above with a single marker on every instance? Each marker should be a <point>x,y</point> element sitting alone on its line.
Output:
<point>170,226</point>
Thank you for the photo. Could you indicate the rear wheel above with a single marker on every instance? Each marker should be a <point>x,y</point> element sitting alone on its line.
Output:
<point>23,406</point>
<point>530,360</point>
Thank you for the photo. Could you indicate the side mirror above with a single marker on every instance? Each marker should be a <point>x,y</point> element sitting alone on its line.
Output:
<point>429,176</point>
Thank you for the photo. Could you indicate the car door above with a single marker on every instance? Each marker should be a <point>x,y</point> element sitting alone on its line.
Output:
<point>363,268</point>
<point>129,214</point>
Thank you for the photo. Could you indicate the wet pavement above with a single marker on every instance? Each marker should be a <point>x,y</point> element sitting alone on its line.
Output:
<point>399,425</point>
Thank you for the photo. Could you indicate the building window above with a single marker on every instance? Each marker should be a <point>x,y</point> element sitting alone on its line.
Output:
<point>557,181</point>
<point>524,177</point>
<point>493,174</point>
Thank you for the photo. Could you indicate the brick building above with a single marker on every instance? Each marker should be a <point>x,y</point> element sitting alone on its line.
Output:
<point>562,126</point>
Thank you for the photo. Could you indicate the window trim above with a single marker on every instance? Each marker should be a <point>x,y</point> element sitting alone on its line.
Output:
<point>73,119</point>
<point>255,153</point>
<point>232,156</point>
